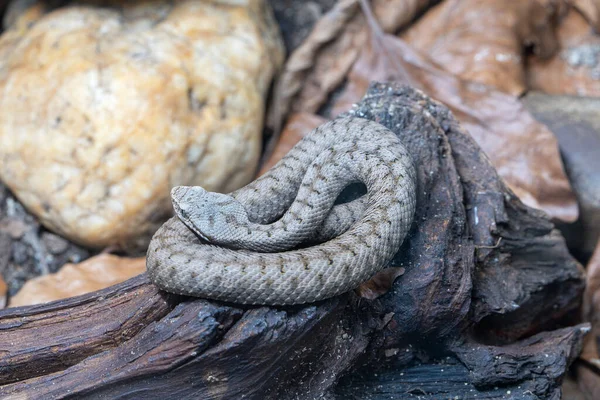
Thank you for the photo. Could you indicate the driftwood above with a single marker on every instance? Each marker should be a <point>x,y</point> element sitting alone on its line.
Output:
<point>482,310</point>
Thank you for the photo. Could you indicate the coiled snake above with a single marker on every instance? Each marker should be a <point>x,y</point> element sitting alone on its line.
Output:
<point>282,239</point>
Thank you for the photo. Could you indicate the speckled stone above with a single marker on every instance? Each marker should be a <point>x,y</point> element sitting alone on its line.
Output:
<point>103,110</point>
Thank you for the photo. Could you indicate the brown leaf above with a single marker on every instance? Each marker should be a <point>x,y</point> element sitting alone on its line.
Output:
<point>74,279</point>
<point>575,122</point>
<point>590,10</point>
<point>483,40</point>
<point>576,68</point>
<point>587,374</point>
<point>321,63</point>
<point>296,128</point>
<point>571,391</point>
<point>379,284</point>
<point>591,297</point>
<point>524,152</point>
<point>3,293</point>
<point>589,382</point>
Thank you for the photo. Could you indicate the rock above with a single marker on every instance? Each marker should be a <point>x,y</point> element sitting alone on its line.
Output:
<point>103,110</point>
<point>575,122</point>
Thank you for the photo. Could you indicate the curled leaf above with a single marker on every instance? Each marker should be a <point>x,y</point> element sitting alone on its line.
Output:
<point>588,376</point>
<point>3,293</point>
<point>297,127</point>
<point>321,63</point>
<point>591,297</point>
<point>524,151</point>
<point>590,10</point>
<point>483,41</point>
<point>575,122</point>
<point>576,68</point>
<point>90,275</point>
<point>379,284</point>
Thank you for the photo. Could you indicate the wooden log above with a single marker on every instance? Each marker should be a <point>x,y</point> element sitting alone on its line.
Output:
<point>483,274</point>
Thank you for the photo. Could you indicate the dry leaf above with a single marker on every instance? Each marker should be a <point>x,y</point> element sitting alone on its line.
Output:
<point>524,152</point>
<point>320,64</point>
<point>297,127</point>
<point>576,68</point>
<point>379,284</point>
<point>3,293</point>
<point>575,122</point>
<point>591,297</point>
<point>591,10</point>
<point>570,389</point>
<point>588,379</point>
<point>90,275</point>
<point>483,41</point>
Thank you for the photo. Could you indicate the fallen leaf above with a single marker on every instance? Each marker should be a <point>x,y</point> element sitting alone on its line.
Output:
<point>379,284</point>
<point>590,10</point>
<point>483,40</point>
<point>588,381</point>
<point>587,372</point>
<point>321,63</point>
<point>576,68</point>
<point>571,391</point>
<point>90,275</point>
<point>575,122</point>
<point>591,296</point>
<point>524,151</point>
<point>3,293</point>
<point>297,127</point>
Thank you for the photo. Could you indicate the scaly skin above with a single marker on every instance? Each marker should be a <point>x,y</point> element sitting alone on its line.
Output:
<point>248,253</point>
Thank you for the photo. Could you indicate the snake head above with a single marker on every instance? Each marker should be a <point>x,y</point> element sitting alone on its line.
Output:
<point>215,217</point>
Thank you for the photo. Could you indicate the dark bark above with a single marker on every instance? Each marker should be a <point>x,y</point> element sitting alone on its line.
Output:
<point>483,274</point>
<point>492,374</point>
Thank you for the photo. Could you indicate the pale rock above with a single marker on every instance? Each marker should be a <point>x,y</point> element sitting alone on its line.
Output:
<point>104,110</point>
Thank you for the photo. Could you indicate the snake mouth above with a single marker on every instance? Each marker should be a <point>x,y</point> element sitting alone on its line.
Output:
<point>183,195</point>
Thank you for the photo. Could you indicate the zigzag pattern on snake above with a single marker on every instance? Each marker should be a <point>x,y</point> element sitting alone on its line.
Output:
<point>281,239</point>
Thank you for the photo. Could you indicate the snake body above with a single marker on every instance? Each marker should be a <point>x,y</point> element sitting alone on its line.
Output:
<point>281,239</point>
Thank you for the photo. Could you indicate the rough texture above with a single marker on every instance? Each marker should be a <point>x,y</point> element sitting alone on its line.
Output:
<point>103,110</point>
<point>411,376</point>
<point>262,223</point>
<point>485,277</point>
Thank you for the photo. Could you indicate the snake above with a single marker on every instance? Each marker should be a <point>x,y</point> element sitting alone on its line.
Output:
<point>284,239</point>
